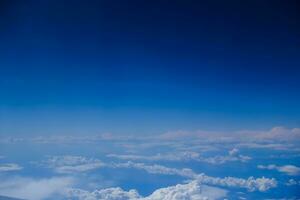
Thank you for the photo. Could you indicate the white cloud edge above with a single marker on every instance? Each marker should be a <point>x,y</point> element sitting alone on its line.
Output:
<point>192,190</point>
<point>67,164</point>
<point>232,156</point>
<point>290,170</point>
<point>7,167</point>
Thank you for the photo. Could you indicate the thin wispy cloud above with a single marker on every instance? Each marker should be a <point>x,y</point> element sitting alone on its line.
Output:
<point>290,170</point>
<point>70,164</point>
<point>6,167</point>
<point>35,189</point>
<point>232,156</point>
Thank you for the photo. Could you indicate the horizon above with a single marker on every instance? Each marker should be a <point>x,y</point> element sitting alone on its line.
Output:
<point>149,100</point>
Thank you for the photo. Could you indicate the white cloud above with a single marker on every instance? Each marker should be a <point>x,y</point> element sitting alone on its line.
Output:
<point>280,134</point>
<point>71,164</point>
<point>287,169</point>
<point>34,189</point>
<point>251,184</point>
<point>274,134</point>
<point>292,182</point>
<point>267,145</point>
<point>177,156</point>
<point>103,194</point>
<point>157,169</point>
<point>10,167</point>
<point>233,155</point>
<point>192,191</point>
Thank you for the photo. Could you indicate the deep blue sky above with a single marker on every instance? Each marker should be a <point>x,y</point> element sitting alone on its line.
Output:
<point>148,66</point>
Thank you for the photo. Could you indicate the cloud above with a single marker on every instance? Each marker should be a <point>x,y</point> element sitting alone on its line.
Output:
<point>290,170</point>
<point>251,184</point>
<point>267,145</point>
<point>71,164</point>
<point>34,189</point>
<point>103,194</point>
<point>275,134</point>
<point>177,156</point>
<point>157,169</point>
<point>10,167</point>
<point>292,182</point>
<point>233,155</point>
<point>74,164</point>
<point>192,190</point>
<point>281,134</point>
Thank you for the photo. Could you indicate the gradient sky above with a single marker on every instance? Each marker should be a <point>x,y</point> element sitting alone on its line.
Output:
<point>146,67</point>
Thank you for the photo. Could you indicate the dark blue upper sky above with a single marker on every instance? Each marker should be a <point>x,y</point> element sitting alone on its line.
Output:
<point>146,66</point>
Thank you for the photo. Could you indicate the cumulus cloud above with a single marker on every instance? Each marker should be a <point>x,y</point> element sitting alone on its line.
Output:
<point>10,167</point>
<point>34,189</point>
<point>103,194</point>
<point>280,134</point>
<point>71,164</point>
<point>192,190</point>
<point>233,155</point>
<point>251,184</point>
<point>290,170</point>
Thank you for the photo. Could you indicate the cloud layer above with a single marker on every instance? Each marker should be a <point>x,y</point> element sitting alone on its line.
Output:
<point>35,189</point>
<point>191,191</point>
<point>10,167</point>
<point>71,164</point>
<point>291,170</point>
<point>233,155</point>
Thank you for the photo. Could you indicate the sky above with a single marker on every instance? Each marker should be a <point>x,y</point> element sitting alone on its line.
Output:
<point>121,74</point>
<point>169,65</point>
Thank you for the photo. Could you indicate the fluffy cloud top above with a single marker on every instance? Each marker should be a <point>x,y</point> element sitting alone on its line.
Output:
<point>191,191</point>
<point>287,169</point>
<point>233,155</point>
<point>251,184</point>
<point>104,194</point>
